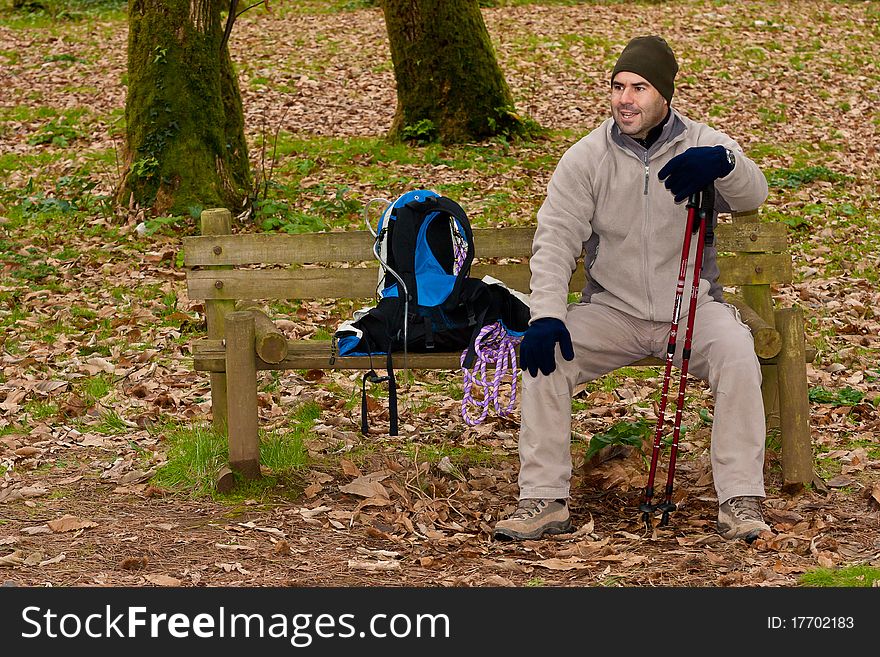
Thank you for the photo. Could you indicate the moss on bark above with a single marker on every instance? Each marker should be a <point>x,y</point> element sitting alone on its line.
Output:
<point>449,84</point>
<point>185,144</point>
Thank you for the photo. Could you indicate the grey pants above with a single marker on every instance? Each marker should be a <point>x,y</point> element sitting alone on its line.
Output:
<point>605,339</point>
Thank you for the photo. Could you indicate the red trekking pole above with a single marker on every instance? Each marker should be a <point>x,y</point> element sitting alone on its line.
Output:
<point>700,207</point>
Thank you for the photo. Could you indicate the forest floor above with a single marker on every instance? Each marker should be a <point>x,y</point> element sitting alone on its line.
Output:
<point>96,371</point>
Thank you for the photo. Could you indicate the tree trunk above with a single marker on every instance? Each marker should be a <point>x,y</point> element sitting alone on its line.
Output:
<point>449,84</point>
<point>185,146</point>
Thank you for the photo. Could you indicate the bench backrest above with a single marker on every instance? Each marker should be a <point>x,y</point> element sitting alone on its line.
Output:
<point>342,265</point>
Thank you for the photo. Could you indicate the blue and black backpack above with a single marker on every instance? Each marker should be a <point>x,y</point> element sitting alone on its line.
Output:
<point>427,300</point>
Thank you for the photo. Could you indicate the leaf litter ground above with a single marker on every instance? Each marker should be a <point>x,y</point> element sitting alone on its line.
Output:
<point>77,506</point>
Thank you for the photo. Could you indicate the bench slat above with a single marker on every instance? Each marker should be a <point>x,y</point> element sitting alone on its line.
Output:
<point>318,283</point>
<point>345,246</point>
<point>356,246</point>
<point>755,269</point>
<point>360,283</point>
<point>210,356</point>
<point>752,238</point>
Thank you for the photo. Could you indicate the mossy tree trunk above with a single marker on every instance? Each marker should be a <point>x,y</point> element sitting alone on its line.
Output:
<point>449,85</point>
<point>185,147</point>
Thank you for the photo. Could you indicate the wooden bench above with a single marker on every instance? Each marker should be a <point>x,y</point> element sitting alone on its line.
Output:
<point>228,271</point>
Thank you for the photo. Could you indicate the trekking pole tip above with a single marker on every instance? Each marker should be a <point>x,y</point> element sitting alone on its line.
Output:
<point>666,508</point>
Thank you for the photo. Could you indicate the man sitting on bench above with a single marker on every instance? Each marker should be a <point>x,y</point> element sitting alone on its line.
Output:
<point>619,192</point>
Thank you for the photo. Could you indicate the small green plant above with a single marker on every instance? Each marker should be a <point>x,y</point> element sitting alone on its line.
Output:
<point>278,215</point>
<point>421,132</point>
<point>513,125</point>
<point>63,57</point>
<point>160,55</point>
<point>633,433</point>
<point>338,206</point>
<point>71,193</point>
<point>844,397</point>
<point>306,413</point>
<point>57,132</point>
<point>145,168</point>
<point>321,334</point>
<point>163,225</point>
<point>34,202</point>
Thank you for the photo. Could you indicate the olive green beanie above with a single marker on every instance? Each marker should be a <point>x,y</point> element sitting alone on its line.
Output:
<point>653,59</point>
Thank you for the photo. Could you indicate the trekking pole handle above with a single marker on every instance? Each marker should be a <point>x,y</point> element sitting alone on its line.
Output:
<point>703,203</point>
<point>707,199</point>
<point>703,199</point>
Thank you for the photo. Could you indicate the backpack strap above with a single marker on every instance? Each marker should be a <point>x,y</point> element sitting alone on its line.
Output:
<point>453,209</point>
<point>429,333</point>
<point>392,397</point>
<point>372,377</point>
<point>402,245</point>
<point>406,229</point>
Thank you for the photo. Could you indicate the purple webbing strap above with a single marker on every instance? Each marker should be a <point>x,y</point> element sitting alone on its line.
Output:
<point>459,249</point>
<point>494,345</point>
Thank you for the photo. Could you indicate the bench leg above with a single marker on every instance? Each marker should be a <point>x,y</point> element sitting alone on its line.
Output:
<point>770,395</point>
<point>241,387</point>
<point>217,221</point>
<point>794,403</point>
<point>219,412</point>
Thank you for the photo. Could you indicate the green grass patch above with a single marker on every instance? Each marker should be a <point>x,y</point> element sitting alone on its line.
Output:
<point>59,132</point>
<point>52,15</point>
<point>847,577</point>
<point>794,178</point>
<point>95,388</point>
<point>288,199</point>
<point>195,456</point>
<point>111,424</point>
<point>197,453</point>
<point>283,452</point>
<point>40,410</point>
<point>457,454</point>
<point>306,413</point>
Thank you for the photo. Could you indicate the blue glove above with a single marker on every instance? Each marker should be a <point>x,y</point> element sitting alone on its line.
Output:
<point>537,351</point>
<point>694,170</point>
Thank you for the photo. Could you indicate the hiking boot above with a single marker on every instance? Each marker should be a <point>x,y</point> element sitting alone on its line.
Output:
<point>740,517</point>
<point>533,518</point>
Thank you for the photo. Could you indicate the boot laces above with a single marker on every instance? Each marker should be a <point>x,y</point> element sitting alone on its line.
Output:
<point>528,508</point>
<point>746,508</point>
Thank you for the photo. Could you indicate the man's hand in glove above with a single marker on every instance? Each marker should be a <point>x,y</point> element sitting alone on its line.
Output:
<point>538,348</point>
<point>695,169</point>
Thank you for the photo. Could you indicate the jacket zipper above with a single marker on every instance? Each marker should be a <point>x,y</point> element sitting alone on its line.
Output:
<point>646,259</point>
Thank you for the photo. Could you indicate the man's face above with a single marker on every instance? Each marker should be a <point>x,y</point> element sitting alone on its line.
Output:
<point>636,105</point>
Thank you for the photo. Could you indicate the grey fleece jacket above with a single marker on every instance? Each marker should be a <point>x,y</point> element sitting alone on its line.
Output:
<point>605,197</point>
